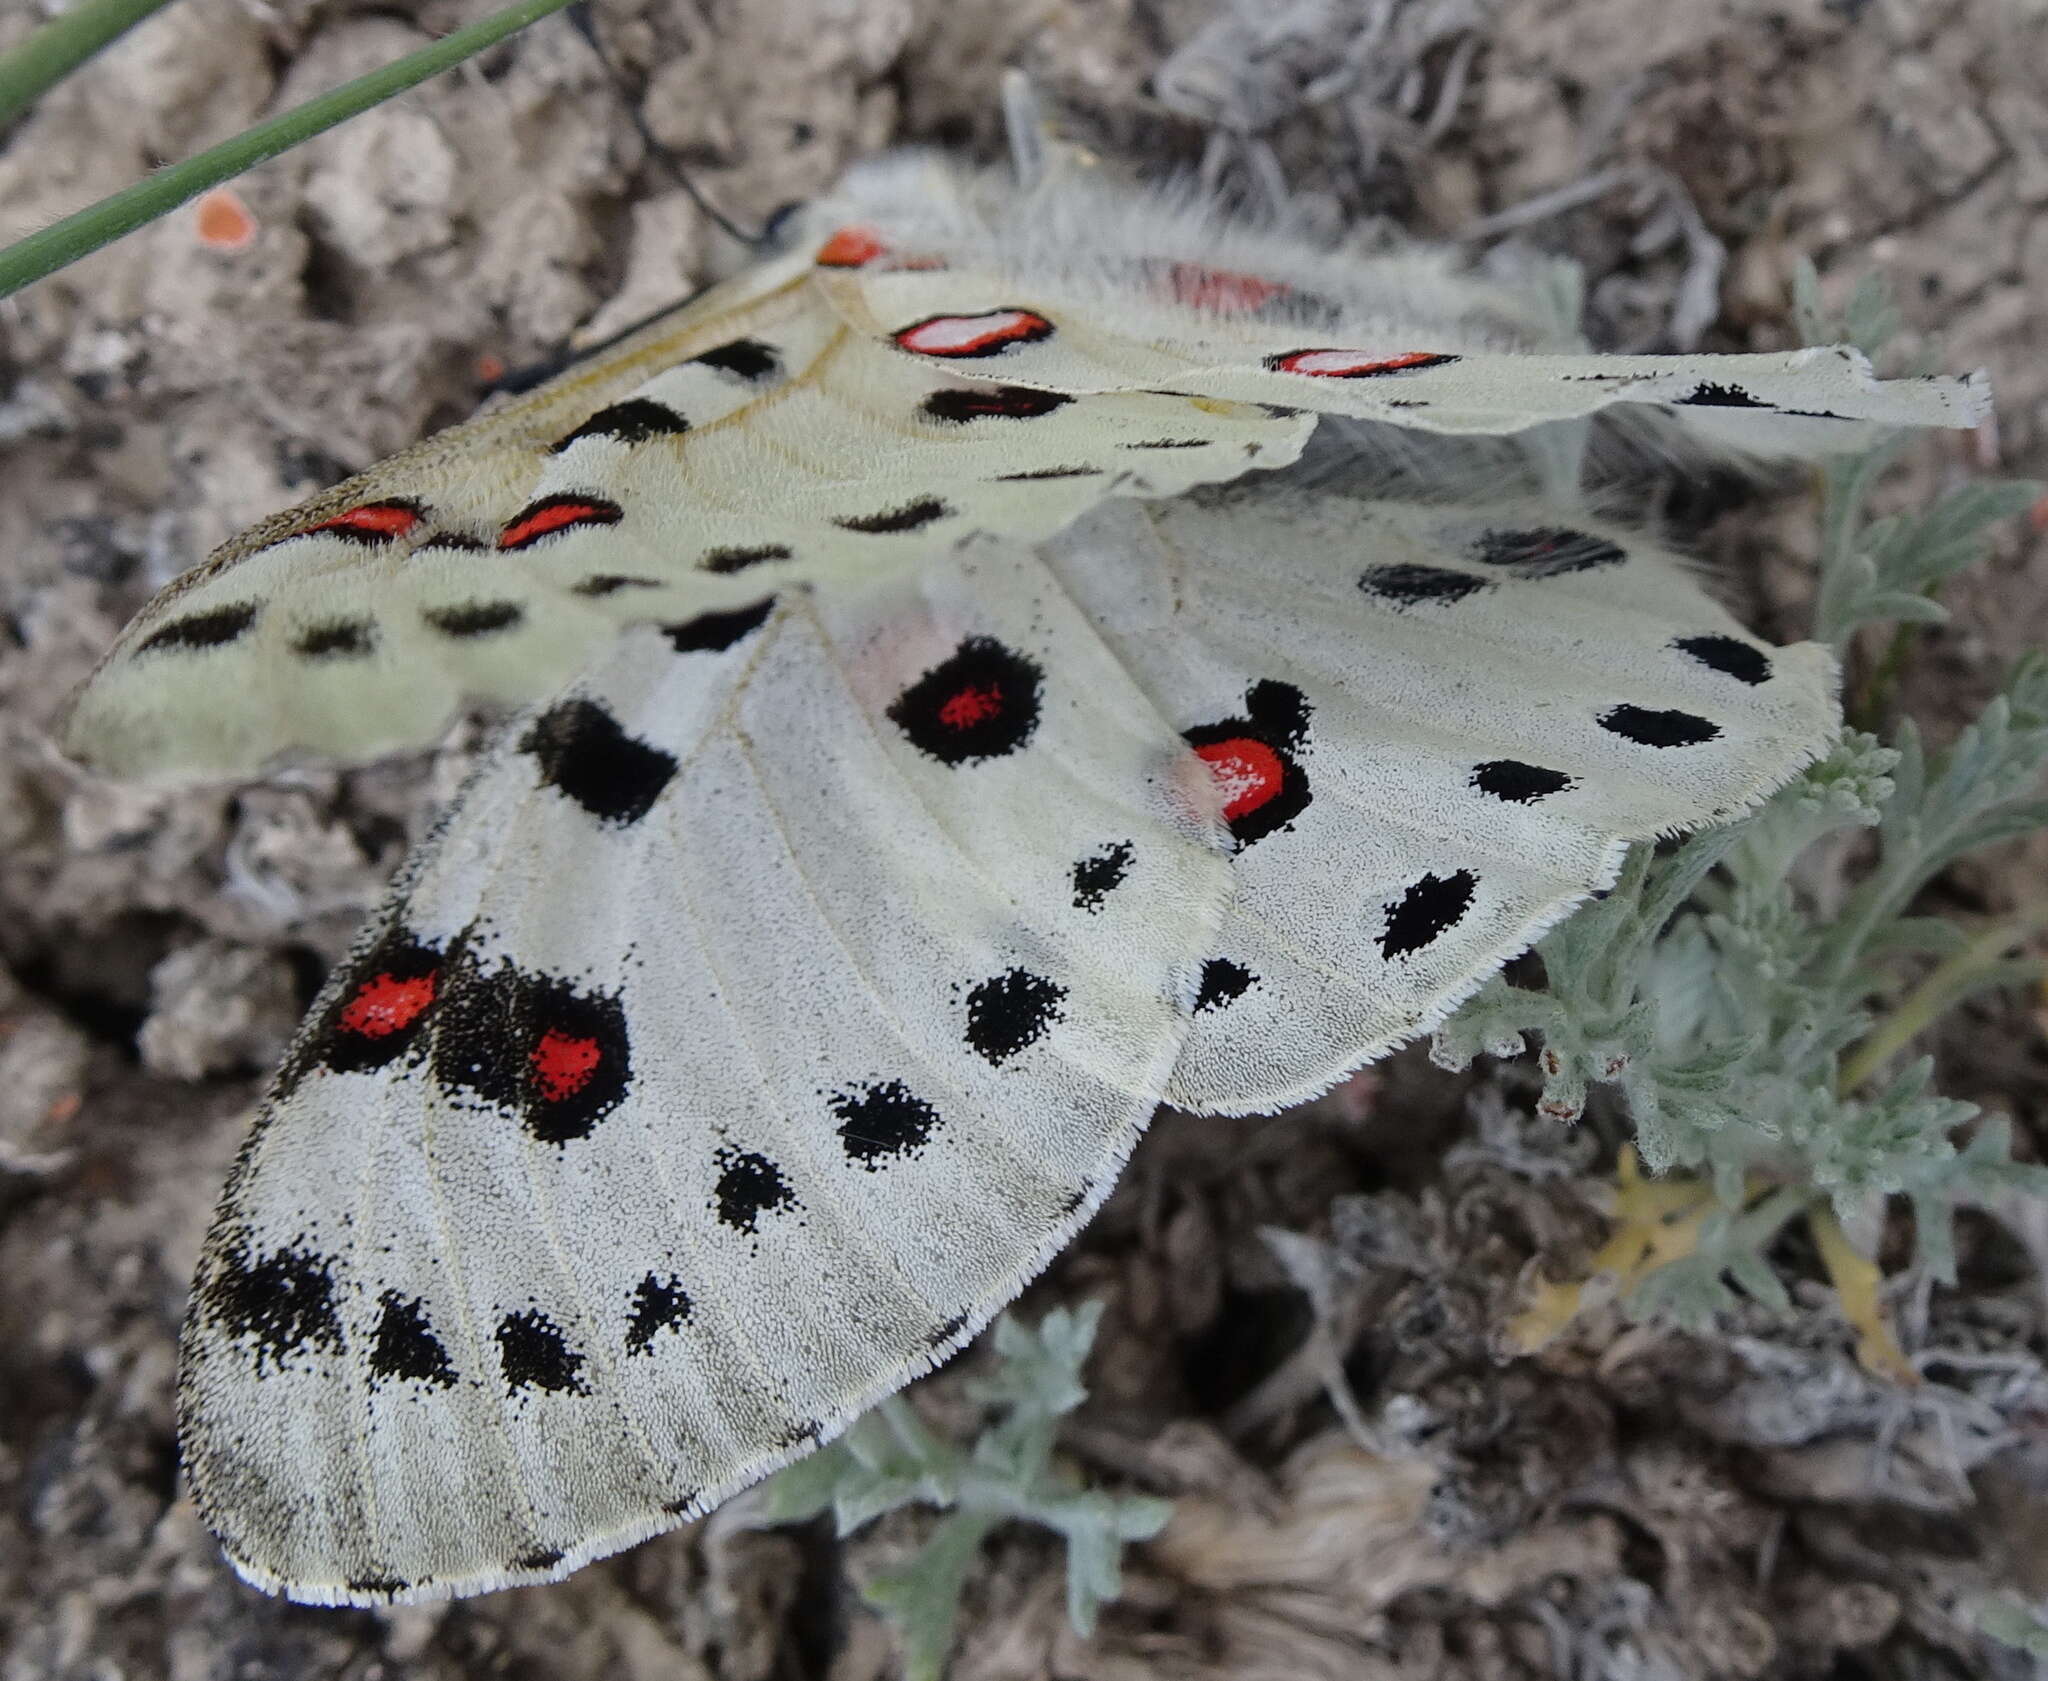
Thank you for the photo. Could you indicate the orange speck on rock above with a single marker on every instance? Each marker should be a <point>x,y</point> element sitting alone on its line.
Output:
<point>225,222</point>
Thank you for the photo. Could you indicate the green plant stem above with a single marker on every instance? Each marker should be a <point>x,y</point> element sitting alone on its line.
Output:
<point>60,46</point>
<point>1920,1007</point>
<point>100,224</point>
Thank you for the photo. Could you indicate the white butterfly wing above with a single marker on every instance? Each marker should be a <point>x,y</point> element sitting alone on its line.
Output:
<point>766,1011</point>
<point>1436,730</point>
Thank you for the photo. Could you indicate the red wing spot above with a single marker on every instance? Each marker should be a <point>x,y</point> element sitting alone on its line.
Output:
<point>971,706</point>
<point>1353,364</point>
<point>373,522</point>
<point>850,248</point>
<point>1222,290</point>
<point>556,513</point>
<point>974,335</point>
<point>563,1064</point>
<point>385,1004</point>
<point>1247,773</point>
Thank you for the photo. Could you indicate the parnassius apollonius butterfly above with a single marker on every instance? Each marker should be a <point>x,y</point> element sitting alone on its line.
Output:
<point>955,724</point>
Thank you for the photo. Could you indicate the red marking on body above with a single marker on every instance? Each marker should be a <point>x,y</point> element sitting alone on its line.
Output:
<point>384,1005</point>
<point>974,335</point>
<point>971,706</point>
<point>850,247</point>
<point>381,522</point>
<point>1247,773</point>
<point>557,513</point>
<point>563,1064</point>
<point>489,367</point>
<point>1353,364</point>
<point>1221,289</point>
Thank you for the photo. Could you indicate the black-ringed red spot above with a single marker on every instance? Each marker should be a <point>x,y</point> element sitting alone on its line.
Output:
<point>375,1012</point>
<point>1354,364</point>
<point>1247,773</point>
<point>387,1003</point>
<point>981,702</point>
<point>1252,760</point>
<point>372,524</point>
<point>553,515</point>
<point>563,1063</point>
<point>988,334</point>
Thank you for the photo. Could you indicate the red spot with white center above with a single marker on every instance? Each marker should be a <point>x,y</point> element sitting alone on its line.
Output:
<point>563,1064</point>
<point>373,522</point>
<point>386,1004</point>
<point>850,247</point>
<point>971,706</point>
<point>988,334</point>
<point>553,514</point>
<point>1354,364</point>
<point>1246,771</point>
<point>1221,290</point>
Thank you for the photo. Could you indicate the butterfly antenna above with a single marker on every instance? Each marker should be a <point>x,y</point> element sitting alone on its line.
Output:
<point>580,16</point>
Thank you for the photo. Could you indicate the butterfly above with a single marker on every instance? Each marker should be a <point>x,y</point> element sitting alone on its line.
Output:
<point>957,713</point>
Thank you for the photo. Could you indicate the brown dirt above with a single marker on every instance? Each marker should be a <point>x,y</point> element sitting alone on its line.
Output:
<point>1635,1502</point>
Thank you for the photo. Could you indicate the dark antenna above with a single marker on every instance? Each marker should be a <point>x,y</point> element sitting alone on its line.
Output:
<point>580,15</point>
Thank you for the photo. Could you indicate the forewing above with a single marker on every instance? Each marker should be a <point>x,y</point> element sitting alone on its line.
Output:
<point>1435,730</point>
<point>771,1005</point>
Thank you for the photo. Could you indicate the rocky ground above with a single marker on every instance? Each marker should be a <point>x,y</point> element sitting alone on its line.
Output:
<point>1635,1501</point>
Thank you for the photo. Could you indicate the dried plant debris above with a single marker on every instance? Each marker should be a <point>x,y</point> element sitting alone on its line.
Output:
<point>1434,1382</point>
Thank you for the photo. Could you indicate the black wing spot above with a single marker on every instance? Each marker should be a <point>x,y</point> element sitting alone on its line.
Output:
<point>1728,656</point>
<point>1009,1012</point>
<point>739,559</point>
<point>632,422</point>
<point>610,583</point>
<point>1170,443</point>
<point>404,1345</point>
<point>212,629</point>
<point>1050,473</point>
<point>958,405</point>
<point>1406,585</point>
<point>1516,782</point>
<point>337,639</point>
<point>585,754</point>
<point>539,1558</point>
<point>747,359</point>
<point>389,1586</point>
<point>882,1121</point>
<point>468,619</point>
<point>534,1354</point>
<point>1548,552</point>
<point>912,516</point>
<point>659,1304</point>
<point>1223,983</point>
<point>709,633</point>
<point>1100,874</point>
<point>749,1186</point>
<point>1428,910</point>
<point>942,1334</point>
<point>1653,728</point>
<point>1707,395</point>
<point>282,1302</point>
<point>980,702</point>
